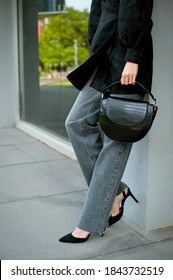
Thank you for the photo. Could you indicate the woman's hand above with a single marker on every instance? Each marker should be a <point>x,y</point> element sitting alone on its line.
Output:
<point>129,73</point>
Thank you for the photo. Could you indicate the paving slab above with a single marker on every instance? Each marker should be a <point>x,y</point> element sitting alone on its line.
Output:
<point>11,155</point>
<point>13,136</point>
<point>40,152</point>
<point>30,229</point>
<point>40,179</point>
<point>152,251</point>
<point>41,196</point>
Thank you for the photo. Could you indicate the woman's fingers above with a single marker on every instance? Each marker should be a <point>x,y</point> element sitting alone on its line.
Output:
<point>129,73</point>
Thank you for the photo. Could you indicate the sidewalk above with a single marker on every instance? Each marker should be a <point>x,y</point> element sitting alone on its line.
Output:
<point>41,194</point>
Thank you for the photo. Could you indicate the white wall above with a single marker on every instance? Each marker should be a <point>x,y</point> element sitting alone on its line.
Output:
<point>150,168</point>
<point>160,176</point>
<point>8,64</point>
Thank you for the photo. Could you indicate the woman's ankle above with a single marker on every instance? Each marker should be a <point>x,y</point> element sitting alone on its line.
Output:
<point>117,202</point>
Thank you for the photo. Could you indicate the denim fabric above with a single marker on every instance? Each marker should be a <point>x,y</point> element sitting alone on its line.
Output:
<point>102,160</point>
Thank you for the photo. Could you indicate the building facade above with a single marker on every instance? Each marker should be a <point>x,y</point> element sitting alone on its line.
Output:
<point>30,103</point>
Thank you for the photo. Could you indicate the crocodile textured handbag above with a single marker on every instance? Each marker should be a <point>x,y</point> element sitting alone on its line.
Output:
<point>126,120</point>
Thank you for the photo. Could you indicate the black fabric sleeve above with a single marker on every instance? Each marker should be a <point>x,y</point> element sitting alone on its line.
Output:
<point>134,26</point>
<point>95,12</point>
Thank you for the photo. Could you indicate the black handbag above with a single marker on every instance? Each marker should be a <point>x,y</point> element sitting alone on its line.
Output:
<point>126,120</point>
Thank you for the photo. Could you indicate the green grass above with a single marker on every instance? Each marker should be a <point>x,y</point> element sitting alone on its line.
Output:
<point>66,84</point>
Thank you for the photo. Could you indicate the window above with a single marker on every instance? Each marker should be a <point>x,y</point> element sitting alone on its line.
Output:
<point>52,42</point>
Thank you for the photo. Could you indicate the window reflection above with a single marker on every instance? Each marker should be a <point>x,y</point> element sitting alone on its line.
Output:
<point>53,41</point>
<point>50,5</point>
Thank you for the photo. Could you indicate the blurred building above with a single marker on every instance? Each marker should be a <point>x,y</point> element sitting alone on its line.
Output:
<point>50,5</point>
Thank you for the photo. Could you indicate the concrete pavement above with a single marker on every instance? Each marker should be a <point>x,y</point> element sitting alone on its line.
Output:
<point>41,194</point>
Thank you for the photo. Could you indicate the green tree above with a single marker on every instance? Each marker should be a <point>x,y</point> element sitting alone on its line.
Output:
<point>56,43</point>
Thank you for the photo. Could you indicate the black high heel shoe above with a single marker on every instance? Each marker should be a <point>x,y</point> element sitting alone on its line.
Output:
<point>114,219</point>
<point>69,238</point>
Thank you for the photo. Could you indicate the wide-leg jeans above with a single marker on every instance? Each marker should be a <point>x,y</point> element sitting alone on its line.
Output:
<point>101,159</point>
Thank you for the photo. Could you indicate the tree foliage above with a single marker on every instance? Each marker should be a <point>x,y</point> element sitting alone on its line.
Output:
<point>56,43</point>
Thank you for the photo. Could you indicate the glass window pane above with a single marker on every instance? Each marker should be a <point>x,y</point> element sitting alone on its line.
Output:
<point>53,41</point>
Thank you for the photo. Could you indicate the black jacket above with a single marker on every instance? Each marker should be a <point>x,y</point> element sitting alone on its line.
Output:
<point>118,31</point>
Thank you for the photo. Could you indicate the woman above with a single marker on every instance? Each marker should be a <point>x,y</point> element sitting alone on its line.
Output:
<point>120,49</point>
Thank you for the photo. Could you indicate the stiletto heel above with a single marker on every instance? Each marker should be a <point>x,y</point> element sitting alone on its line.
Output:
<point>130,194</point>
<point>114,219</point>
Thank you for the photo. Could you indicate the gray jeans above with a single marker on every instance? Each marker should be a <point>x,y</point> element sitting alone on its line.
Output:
<point>102,160</point>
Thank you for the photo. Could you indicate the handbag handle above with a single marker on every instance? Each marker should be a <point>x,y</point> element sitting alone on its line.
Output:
<point>147,91</point>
